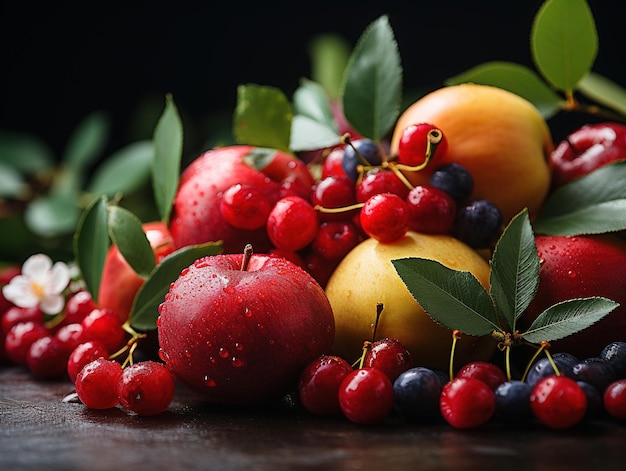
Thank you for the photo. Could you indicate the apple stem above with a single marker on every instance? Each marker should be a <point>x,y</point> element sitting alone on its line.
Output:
<point>379,311</point>
<point>247,254</point>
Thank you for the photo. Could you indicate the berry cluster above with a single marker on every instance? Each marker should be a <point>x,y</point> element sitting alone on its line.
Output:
<point>87,344</point>
<point>387,383</point>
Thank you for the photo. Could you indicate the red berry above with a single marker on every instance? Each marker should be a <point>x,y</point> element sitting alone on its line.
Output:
<point>558,402</point>
<point>334,192</point>
<point>20,337</point>
<point>96,384</point>
<point>431,210</point>
<point>332,165</point>
<point>389,356</point>
<point>16,314</point>
<point>489,373</point>
<point>47,357</point>
<point>318,385</point>
<point>146,388</point>
<point>614,399</point>
<point>83,354</point>
<point>78,306</point>
<point>366,396</point>
<point>246,206</point>
<point>385,217</point>
<point>70,335</point>
<point>335,239</point>
<point>104,325</point>
<point>380,181</point>
<point>467,403</point>
<point>414,141</point>
<point>292,224</point>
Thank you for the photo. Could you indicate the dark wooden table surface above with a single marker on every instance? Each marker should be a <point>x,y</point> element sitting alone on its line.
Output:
<point>40,431</point>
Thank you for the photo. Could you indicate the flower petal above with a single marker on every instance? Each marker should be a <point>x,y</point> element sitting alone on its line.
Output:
<point>36,268</point>
<point>59,278</point>
<point>52,303</point>
<point>19,292</point>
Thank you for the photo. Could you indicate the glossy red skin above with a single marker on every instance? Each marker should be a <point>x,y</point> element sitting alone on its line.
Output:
<point>318,385</point>
<point>366,396</point>
<point>467,403</point>
<point>243,337</point>
<point>581,266</point>
<point>489,373</point>
<point>120,283</point>
<point>389,356</point>
<point>558,402</point>
<point>586,149</point>
<point>146,388</point>
<point>196,216</point>
<point>614,399</point>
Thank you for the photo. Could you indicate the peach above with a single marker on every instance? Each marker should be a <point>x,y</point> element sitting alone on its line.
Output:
<point>501,138</point>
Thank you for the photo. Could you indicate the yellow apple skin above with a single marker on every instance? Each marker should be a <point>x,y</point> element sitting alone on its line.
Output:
<point>366,277</point>
<point>501,138</point>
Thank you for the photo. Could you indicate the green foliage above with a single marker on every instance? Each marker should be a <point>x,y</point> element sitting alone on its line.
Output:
<point>458,301</point>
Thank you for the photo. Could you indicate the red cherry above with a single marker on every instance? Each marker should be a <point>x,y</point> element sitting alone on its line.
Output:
<point>96,384</point>
<point>47,357</point>
<point>20,337</point>
<point>105,326</point>
<point>83,354</point>
<point>388,355</point>
<point>366,396</point>
<point>467,403</point>
<point>292,224</point>
<point>385,217</point>
<point>146,388</point>
<point>614,399</point>
<point>332,165</point>
<point>78,306</point>
<point>335,239</point>
<point>246,206</point>
<point>413,144</point>
<point>377,181</point>
<point>431,210</point>
<point>334,192</point>
<point>16,314</point>
<point>558,402</point>
<point>489,373</point>
<point>318,385</point>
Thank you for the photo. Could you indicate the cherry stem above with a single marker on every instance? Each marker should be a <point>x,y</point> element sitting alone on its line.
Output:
<point>348,141</point>
<point>341,209</point>
<point>544,346</point>
<point>247,255</point>
<point>456,335</point>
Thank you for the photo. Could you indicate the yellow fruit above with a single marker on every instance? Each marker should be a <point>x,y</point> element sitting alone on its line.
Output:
<point>498,136</point>
<point>366,277</point>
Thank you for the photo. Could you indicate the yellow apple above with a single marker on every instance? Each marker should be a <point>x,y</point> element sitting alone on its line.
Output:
<point>366,277</point>
<point>501,138</point>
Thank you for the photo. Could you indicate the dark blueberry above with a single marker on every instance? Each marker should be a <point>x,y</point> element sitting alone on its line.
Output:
<point>513,402</point>
<point>360,152</point>
<point>615,354</point>
<point>596,371</point>
<point>478,223</point>
<point>541,368</point>
<point>595,406</point>
<point>416,394</point>
<point>454,179</point>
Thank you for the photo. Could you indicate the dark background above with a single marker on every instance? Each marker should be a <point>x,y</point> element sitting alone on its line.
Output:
<point>63,61</point>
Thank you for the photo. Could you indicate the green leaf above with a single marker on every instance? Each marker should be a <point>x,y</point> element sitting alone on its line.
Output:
<point>87,142</point>
<point>144,311</point>
<point>124,171</point>
<point>590,204</point>
<point>372,87</point>
<point>604,92</point>
<point>25,153</point>
<point>514,269</point>
<point>11,181</point>
<point>168,149</point>
<point>308,134</point>
<point>52,215</point>
<point>517,79</point>
<point>126,232</point>
<point>262,117</point>
<point>329,55</point>
<point>91,243</point>
<point>567,318</point>
<point>259,157</point>
<point>453,298</point>
<point>564,42</point>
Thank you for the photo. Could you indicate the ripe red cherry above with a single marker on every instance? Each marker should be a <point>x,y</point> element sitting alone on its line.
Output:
<point>16,314</point>
<point>489,373</point>
<point>78,306</point>
<point>414,141</point>
<point>20,337</point>
<point>318,385</point>
<point>96,383</point>
<point>332,165</point>
<point>334,192</point>
<point>431,210</point>
<point>614,399</point>
<point>467,403</point>
<point>388,355</point>
<point>104,325</point>
<point>146,388</point>
<point>377,181</point>
<point>292,224</point>
<point>47,357</point>
<point>558,402</point>
<point>385,217</point>
<point>366,396</point>
<point>335,239</point>
<point>83,354</point>
<point>246,206</point>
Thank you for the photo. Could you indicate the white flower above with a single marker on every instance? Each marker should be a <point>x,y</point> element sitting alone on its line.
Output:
<point>40,283</point>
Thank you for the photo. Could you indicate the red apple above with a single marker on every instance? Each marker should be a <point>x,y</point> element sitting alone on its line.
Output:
<point>238,334</point>
<point>120,283</point>
<point>577,267</point>
<point>196,216</point>
<point>587,148</point>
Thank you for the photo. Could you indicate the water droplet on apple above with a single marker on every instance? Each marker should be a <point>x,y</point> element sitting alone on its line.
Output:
<point>223,353</point>
<point>571,274</point>
<point>237,362</point>
<point>229,289</point>
<point>163,355</point>
<point>271,341</point>
<point>184,271</point>
<point>210,382</point>
<point>238,347</point>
